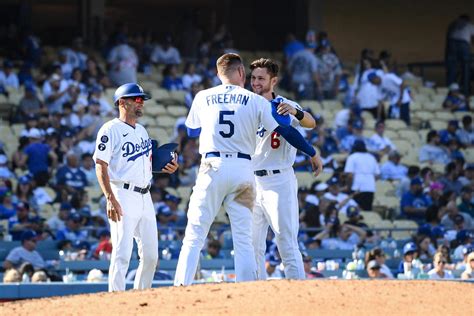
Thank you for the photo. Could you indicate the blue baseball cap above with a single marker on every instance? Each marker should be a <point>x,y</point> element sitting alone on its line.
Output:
<point>24,180</point>
<point>463,235</point>
<point>162,155</point>
<point>438,232</point>
<point>372,75</point>
<point>172,198</point>
<point>409,247</point>
<point>425,229</point>
<point>357,124</point>
<point>467,250</point>
<point>333,181</point>
<point>272,260</point>
<point>416,181</point>
<point>352,211</point>
<point>65,206</point>
<point>28,235</point>
<point>75,217</point>
<point>81,244</point>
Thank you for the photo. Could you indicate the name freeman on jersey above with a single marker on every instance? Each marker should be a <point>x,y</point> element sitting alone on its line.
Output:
<point>136,150</point>
<point>227,98</point>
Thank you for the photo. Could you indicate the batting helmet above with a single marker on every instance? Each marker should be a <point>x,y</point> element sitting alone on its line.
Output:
<point>129,90</point>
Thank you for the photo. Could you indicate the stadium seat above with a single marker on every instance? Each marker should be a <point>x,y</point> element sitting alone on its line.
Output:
<point>165,121</point>
<point>391,133</point>
<point>444,115</point>
<point>184,192</point>
<point>160,134</point>
<point>409,135</point>
<point>315,106</point>
<point>160,94</point>
<point>403,146</point>
<point>177,110</point>
<point>47,211</point>
<point>332,105</point>
<point>178,96</point>
<point>442,91</point>
<point>469,154</point>
<point>148,121</point>
<point>155,110</point>
<point>385,226</point>
<point>372,219</point>
<point>395,124</point>
<point>424,115</point>
<point>305,179</point>
<point>437,124</point>
<point>406,224</point>
<point>384,188</point>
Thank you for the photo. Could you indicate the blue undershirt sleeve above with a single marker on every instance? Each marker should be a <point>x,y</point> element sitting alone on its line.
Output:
<point>282,120</point>
<point>295,139</point>
<point>193,132</point>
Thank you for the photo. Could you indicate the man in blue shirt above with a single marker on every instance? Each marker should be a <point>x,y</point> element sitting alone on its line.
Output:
<point>71,176</point>
<point>449,133</point>
<point>414,202</point>
<point>73,231</point>
<point>37,154</point>
<point>392,169</point>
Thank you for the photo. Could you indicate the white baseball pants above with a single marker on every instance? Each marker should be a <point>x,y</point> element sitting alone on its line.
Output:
<point>277,206</point>
<point>217,183</point>
<point>139,222</point>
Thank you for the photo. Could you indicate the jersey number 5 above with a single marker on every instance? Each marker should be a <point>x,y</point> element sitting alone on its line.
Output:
<point>275,140</point>
<point>222,120</point>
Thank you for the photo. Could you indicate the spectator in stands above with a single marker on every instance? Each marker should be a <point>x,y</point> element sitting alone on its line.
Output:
<point>362,168</point>
<point>21,221</point>
<point>5,171</point>
<point>379,143</point>
<point>166,53</point>
<point>73,231</point>
<point>455,100</point>
<point>466,133</point>
<point>439,271</point>
<point>393,169</point>
<point>404,185</point>
<point>292,46</point>
<point>329,70</point>
<point>464,239</point>
<point>58,222</point>
<point>343,200</point>
<point>94,75</point>
<point>369,98</point>
<point>272,264</point>
<point>70,176</point>
<point>190,76</point>
<point>379,256</point>
<point>171,80</point>
<point>123,62</point>
<point>348,141</point>
<point>8,77</point>
<point>455,220</point>
<point>374,270</point>
<point>435,192</point>
<point>11,276</point>
<point>458,48</point>
<point>469,272</point>
<point>336,236</point>
<point>449,133</point>
<point>467,204</point>
<point>88,168</point>
<point>195,88</point>
<point>409,253</point>
<point>103,248</point>
<point>450,179</point>
<point>25,253</point>
<point>26,271</point>
<point>425,247</point>
<point>397,93</point>
<point>308,268</point>
<point>30,105</point>
<point>303,73</point>
<point>213,250</point>
<point>55,93</point>
<point>7,209</point>
<point>36,154</point>
<point>432,152</point>
<point>414,203</point>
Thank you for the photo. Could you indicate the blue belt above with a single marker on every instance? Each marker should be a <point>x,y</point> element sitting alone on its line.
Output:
<point>126,186</point>
<point>218,154</point>
<point>262,173</point>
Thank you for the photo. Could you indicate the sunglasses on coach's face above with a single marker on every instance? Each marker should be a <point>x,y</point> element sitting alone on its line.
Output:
<point>139,100</point>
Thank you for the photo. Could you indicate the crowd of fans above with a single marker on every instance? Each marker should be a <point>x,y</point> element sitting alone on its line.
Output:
<point>63,104</point>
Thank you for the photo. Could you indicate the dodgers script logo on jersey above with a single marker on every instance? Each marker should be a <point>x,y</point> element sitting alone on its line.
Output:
<point>261,131</point>
<point>136,150</point>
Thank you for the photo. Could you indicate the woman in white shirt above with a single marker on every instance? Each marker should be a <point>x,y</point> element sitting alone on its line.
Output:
<point>439,272</point>
<point>362,168</point>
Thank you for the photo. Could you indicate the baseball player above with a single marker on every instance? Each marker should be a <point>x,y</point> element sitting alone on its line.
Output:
<point>226,118</point>
<point>124,172</point>
<point>277,202</point>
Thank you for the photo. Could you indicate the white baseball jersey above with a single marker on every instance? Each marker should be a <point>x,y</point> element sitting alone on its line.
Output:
<point>391,88</point>
<point>229,111</point>
<point>273,151</point>
<point>127,150</point>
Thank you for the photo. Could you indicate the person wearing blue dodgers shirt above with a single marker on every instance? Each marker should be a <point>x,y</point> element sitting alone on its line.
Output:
<point>414,203</point>
<point>124,171</point>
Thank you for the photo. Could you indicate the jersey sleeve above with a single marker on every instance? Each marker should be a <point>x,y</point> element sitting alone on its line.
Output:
<point>104,144</point>
<point>266,117</point>
<point>349,168</point>
<point>193,121</point>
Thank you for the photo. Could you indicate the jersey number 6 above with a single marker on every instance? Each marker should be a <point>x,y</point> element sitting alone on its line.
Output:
<point>275,140</point>
<point>222,120</point>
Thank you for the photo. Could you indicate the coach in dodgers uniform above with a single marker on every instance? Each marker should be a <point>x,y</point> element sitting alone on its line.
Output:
<point>124,171</point>
<point>277,202</point>
<point>226,118</point>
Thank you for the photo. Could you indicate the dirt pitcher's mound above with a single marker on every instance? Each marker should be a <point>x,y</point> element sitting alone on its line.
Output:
<point>326,297</point>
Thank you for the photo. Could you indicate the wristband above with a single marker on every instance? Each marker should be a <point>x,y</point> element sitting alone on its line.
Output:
<point>299,115</point>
